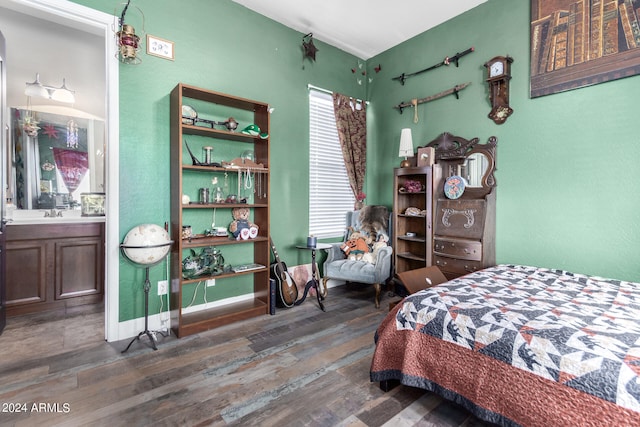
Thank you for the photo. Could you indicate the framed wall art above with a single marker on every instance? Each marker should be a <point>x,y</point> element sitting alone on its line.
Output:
<point>578,43</point>
<point>159,47</point>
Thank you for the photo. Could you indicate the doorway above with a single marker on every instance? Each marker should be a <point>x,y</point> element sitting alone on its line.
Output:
<point>58,16</point>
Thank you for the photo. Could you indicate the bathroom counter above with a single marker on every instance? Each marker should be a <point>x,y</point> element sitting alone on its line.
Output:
<point>37,216</point>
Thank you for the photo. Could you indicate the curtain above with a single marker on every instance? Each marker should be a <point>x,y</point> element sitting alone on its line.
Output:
<point>351,121</point>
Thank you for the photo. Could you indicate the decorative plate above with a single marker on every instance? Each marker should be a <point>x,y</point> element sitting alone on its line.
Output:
<point>454,187</point>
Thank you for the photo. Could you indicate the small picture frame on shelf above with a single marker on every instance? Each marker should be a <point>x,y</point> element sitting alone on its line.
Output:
<point>426,156</point>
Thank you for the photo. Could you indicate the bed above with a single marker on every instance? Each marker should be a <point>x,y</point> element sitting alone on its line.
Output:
<point>519,345</point>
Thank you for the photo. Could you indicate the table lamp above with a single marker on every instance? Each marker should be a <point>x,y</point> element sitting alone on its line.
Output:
<point>406,147</point>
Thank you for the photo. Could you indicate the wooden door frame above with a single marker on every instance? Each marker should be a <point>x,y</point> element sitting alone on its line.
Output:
<point>96,22</point>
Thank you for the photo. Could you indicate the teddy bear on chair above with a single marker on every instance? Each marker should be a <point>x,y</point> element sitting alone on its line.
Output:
<point>356,247</point>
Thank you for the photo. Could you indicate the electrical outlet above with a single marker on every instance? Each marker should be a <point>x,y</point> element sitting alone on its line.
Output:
<point>163,287</point>
<point>211,282</point>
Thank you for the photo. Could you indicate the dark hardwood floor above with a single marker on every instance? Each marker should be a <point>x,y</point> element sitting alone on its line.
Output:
<point>299,367</point>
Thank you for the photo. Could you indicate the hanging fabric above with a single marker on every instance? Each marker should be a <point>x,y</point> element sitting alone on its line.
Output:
<point>351,123</point>
<point>73,165</point>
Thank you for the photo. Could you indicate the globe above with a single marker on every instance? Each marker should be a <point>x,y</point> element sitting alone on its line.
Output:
<point>146,244</point>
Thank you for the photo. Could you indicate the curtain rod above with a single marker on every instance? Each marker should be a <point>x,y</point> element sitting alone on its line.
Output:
<point>327,91</point>
<point>319,89</point>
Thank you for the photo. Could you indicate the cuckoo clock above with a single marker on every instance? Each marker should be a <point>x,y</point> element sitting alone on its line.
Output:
<point>498,76</point>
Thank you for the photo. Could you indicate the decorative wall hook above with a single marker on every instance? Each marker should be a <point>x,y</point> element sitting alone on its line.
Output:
<point>447,61</point>
<point>452,91</point>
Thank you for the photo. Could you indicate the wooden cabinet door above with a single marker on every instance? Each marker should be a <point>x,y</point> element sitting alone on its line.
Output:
<point>3,277</point>
<point>78,267</point>
<point>26,272</point>
<point>53,266</point>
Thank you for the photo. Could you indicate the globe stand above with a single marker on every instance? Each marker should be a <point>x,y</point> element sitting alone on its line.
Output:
<point>151,334</point>
<point>149,253</point>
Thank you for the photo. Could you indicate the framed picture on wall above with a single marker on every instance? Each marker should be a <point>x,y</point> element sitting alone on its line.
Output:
<point>578,43</point>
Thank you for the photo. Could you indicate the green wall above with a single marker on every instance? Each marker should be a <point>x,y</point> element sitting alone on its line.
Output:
<point>567,180</point>
<point>227,48</point>
<point>567,176</point>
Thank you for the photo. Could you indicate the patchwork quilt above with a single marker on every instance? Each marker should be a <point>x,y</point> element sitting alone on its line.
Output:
<point>520,345</point>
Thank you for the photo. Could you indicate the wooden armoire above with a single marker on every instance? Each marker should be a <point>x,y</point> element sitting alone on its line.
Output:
<point>458,235</point>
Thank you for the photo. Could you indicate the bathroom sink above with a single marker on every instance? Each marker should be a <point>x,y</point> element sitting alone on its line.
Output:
<point>43,216</point>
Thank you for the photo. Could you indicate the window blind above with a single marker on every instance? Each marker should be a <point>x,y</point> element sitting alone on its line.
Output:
<point>330,195</point>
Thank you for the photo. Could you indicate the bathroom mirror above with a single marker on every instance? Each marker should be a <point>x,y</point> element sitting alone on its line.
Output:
<point>55,45</point>
<point>56,155</point>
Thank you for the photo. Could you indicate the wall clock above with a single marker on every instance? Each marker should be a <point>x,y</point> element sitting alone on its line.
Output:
<point>498,76</point>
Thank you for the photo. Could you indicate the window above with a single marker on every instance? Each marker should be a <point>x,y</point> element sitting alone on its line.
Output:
<point>330,195</point>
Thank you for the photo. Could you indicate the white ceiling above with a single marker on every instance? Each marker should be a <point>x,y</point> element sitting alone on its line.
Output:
<point>363,28</point>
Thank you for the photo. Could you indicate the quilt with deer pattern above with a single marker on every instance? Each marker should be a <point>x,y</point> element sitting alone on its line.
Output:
<point>519,345</point>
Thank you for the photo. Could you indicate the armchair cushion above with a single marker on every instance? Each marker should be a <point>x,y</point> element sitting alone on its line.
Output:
<point>338,266</point>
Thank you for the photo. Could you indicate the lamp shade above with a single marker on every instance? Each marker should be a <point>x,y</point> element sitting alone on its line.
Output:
<point>36,89</point>
<point>63,94</point>
<point>406,143</point>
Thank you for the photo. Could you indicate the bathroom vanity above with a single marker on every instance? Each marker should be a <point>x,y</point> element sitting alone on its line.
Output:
<point>55,232</point>
<point>53,261</point>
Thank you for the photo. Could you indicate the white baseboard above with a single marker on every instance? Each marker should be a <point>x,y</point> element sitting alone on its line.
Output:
<point>131,328</point>
<point>332,283</point>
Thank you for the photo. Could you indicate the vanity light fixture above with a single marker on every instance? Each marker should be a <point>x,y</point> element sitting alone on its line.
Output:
<point>60,94</point>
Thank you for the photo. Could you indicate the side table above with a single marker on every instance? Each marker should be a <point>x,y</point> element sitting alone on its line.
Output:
<point>314,282</point>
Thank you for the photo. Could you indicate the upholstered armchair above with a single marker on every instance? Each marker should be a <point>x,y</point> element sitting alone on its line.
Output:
<point>338,266</point>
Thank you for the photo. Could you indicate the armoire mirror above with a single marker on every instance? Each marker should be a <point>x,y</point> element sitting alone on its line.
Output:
<point>468,159</point>
<point>473,169</point>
